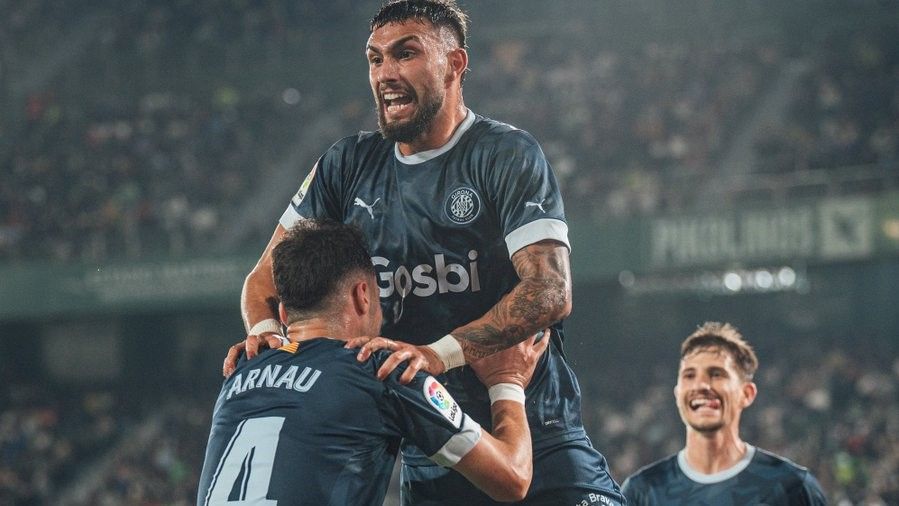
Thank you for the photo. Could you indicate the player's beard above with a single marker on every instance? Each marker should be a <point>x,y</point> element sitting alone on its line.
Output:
<point>407,131</point>
<point>707,427</point>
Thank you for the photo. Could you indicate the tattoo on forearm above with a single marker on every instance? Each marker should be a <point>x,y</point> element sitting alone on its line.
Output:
<point>535,303</point>
<point>487,340</point>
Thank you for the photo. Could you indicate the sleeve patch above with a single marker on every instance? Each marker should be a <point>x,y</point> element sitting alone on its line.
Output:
<point>301,193</point>
<point>441,400</point>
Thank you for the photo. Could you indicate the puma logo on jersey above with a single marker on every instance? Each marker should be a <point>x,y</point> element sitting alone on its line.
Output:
<point>361,203</point>
<point>538,205</point>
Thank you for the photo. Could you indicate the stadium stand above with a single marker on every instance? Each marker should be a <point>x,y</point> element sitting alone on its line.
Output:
<point>846,111</point>
<point>152,153</point>
<point>139,130</point>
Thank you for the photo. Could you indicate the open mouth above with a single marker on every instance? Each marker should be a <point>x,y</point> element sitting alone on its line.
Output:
<point>704,402</point>
<point>395,101</point>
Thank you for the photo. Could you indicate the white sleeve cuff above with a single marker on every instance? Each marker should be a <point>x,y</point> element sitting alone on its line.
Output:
<point>290,217</point>
<point>459,445</point>
<point>536,231</point>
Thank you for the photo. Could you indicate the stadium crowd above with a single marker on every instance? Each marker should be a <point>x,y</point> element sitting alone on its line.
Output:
<point>152,140</point>
<point>47,435</point>
<point>837,415</point>
<point>846,111</point>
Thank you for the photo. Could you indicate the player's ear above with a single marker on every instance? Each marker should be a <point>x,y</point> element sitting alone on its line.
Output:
<point>749,393</point>
<point>457,63</point>
<point>361,295</point>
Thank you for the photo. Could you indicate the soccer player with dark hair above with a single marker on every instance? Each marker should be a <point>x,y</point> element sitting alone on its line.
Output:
<point>469,239</point>
<point>716,467</point>
<point>308,424</point>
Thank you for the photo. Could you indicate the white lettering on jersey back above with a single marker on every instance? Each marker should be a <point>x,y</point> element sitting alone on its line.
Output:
<point>268,377</point>
<point>425,280</point>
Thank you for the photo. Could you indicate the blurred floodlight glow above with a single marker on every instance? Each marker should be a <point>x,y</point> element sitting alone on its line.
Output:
<point>626,278</point>
<point>733,282</point>
<point>291,96</point>
<point>786,276</point>
<point>764,279</point>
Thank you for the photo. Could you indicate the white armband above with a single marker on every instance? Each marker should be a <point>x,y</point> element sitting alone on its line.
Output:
<point>449,351</point>
<point>269,325</point>
<point>506,392</point>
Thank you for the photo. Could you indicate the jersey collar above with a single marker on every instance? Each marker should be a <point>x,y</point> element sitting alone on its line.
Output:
<point>707,479</point>
<point>424,156</point>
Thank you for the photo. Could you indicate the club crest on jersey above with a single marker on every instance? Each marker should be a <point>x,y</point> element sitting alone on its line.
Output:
<point>438,397</point>
<point>462,206</point>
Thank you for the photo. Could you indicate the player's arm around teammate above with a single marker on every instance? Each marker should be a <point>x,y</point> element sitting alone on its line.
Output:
<point>541,298</point>
<point>257,300</point>
<point>500,463</point>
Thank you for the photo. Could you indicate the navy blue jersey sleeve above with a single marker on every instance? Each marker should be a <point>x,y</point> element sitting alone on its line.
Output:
<point>810,493</point>
<point>321,193</point>
<point>526,192</point>
<point>633,491</point>
<point>425,413</point>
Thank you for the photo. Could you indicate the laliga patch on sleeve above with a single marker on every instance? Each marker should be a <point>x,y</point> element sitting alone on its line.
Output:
<point>437,396</point>
<point>301,193</point>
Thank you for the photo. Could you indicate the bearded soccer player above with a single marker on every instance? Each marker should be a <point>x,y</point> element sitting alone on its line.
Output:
<point>308,424</point>
<point>716,467</point>
<point>468,235</point>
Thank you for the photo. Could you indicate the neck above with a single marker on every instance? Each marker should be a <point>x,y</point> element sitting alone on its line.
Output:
<point>318,327</point>
<point>713,452</point>
<point>439,133</point>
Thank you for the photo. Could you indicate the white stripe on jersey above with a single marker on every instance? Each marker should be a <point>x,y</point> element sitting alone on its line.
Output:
<point>459,445</point>
<point>536,231</point>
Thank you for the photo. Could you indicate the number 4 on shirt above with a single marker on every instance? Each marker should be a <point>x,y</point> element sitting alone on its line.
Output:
<point>245,469</point>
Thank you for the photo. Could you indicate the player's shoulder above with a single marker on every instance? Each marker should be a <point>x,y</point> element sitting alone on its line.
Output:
<point>501,135</point>
<point>796,479</point>
<point>779,466</point>
<point>392,380</point>
<point>658,471</point>
<point>358,144</point>
<point>765,458</point>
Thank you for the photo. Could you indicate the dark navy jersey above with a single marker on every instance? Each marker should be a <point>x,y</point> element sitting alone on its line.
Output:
<point>442,226</point>
<point>309,425</point>
<point>760,478</point>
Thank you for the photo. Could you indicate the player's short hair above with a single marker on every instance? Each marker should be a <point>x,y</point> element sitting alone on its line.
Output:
<point>313,260</point>
<point>724,337</point>
<point>440,13</point>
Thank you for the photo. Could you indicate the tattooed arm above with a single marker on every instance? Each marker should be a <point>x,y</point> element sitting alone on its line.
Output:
<point>541,298</point>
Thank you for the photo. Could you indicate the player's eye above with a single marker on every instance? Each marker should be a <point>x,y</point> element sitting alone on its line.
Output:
<point>374,60</point>
<point>405,54</point>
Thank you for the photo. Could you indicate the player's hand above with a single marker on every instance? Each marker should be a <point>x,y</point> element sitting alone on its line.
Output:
<point>358,342</point>
<point>251,346</point>
<point>512,365</point>
<point>418,358</point>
